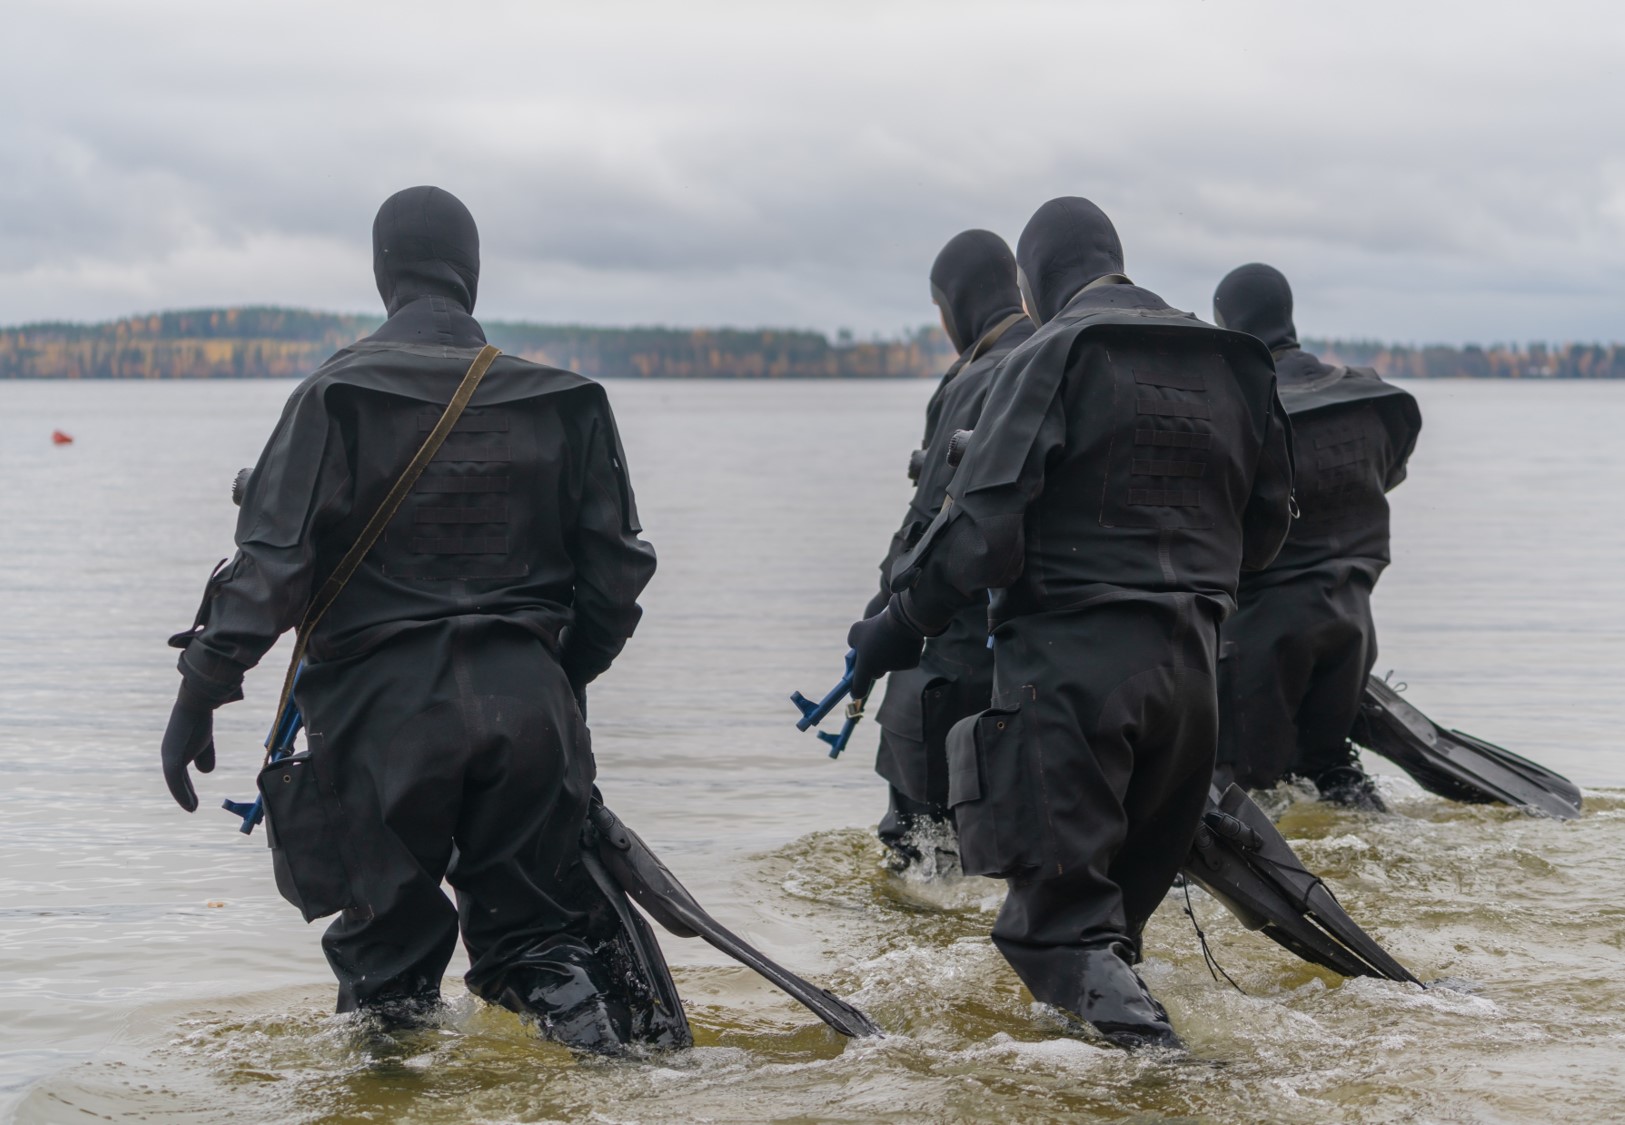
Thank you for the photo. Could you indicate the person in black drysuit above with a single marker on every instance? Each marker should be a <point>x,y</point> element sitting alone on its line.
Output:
<point>973,283</point>
<point>1295,656</point>
<point>441,690</point>
<point>1130,461</point>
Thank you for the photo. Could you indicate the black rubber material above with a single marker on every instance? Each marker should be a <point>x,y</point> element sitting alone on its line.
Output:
<point>1240,859</point>
<point>640,872</point>
<point>1458,766</point>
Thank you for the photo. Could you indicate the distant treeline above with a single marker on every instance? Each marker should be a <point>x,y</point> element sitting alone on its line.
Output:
<point>1498,361</point>
<point>259,343</point>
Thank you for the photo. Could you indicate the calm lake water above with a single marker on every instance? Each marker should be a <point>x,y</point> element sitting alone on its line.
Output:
<point>148,970</point>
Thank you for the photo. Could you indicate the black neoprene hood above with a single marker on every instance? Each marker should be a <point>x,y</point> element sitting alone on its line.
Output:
<point>1068,243</point>
<point>425,244</point>
<point>1257,300</point>
<point>973,282</point>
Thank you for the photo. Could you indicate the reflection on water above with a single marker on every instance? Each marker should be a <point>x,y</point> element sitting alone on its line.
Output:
<point>125,995</point>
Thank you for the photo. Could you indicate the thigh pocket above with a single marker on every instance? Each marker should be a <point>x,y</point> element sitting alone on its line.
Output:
<point>305,827</point>
<point>992,789</point>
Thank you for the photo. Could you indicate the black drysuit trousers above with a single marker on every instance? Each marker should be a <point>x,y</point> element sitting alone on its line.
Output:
<point>953,680</point>
<point>457,752</point>
<point>1292,672</point>
<point>1118,720</point>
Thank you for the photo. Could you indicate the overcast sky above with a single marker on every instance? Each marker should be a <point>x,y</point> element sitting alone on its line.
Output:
<point>1421,171</point>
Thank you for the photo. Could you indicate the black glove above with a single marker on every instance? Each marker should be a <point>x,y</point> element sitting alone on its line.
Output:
<point>886,642</point>
<point>877,603</point>
<point>188,740</point>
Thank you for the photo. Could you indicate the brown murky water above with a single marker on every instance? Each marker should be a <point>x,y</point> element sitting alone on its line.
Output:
<point>126,995</point>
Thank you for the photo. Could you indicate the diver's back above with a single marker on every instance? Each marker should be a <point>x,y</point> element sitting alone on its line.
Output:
<point>1164,430</point>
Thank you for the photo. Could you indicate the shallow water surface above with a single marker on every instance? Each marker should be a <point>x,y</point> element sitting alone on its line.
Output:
<point>148,970</point>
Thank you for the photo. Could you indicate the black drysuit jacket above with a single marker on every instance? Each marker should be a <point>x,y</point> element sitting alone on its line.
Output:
<point>440,688</point>
<point>525,516</point>
<point>1129,449</point>
<point>955,674</point>
<point>1131,459</point>
<point>1296,655</point>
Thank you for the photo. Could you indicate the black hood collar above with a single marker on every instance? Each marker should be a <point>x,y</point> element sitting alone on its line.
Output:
<point>1068,243</point>
<point>425,244</point>
<point>973,282</point>
<point>1257,300</point>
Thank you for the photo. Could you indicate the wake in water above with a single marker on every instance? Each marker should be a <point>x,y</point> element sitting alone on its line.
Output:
<point>1511,919</point>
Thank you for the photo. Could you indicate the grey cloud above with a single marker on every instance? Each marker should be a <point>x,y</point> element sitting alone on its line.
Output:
<point>1421,171</point>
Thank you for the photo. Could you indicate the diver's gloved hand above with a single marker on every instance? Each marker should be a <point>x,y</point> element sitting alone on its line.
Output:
<point>876,603</point>
<point>188,740</point>
<point>885,642</point>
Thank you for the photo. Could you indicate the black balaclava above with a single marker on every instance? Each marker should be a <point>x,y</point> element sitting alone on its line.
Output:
<point>1256,299</point>
<point>1068,243</point>
<point>425,244</point>
<point>973,282</point>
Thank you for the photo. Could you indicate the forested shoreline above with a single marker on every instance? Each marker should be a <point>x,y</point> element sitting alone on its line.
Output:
<point>270,343</point>
<point>260,343</point>
<point>1472,361</point>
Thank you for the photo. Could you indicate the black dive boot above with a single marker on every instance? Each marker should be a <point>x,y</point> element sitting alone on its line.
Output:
<point>1115,1001</point>
<point>918,835</point>
<point>564,991</point>
<point>1350,786</point>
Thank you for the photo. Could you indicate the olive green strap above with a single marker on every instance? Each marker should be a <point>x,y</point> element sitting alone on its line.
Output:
<point>380,519</point>
<point>994,335</point>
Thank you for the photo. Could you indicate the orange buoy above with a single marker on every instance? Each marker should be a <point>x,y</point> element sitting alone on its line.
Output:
<point>60,438</point>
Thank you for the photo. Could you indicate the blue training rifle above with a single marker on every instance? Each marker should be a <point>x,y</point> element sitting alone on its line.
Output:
<point>280,744</point>
<point>813,713</point>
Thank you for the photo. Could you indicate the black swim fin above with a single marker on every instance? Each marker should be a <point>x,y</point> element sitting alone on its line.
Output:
<point>637,869</point>
<point>1455,765</point>
<point>1240,859</point>
<point>654,1010</point>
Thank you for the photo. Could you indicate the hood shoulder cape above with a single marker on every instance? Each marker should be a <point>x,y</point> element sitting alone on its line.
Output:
<point>1348,386</point>
<point>1338,387</point>
<point>282,493</point>
<point>1032,375</point>
<point>984,487</point>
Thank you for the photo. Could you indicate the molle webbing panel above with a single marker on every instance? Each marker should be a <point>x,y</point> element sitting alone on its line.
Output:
<point>1340,470</point>
<point>458,515</point>
<point>1163,442</point>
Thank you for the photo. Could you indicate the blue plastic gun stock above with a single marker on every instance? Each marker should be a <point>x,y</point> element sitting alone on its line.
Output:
<point>280,743</point>
<point>813,713</point>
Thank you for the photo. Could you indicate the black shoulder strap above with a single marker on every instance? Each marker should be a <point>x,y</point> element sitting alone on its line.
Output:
<point>380,519</point>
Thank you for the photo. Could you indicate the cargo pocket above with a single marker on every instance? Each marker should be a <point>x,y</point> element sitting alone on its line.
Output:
<point>991,788</point>
<point>305,827</point>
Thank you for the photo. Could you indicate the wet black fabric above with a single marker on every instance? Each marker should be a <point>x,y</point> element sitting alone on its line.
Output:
<point>1292,673</point>
<point>1299,648</point>
<point>1131,460</point>
<point>973,283</point>
<point>1067,244</point>
<point>954,677</point>
<point>907,819</point>
<point>457,753</point>
<point>1297,652</point>
<point>1257,300</point>
<point>440,688</point>
<point>1128,448</point>
<point>188,740</point>
<point>1111,719</point>
<point>1353,434</point>
<point>475,536</point>
<point>879,644</point>
<point>425,244</point>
